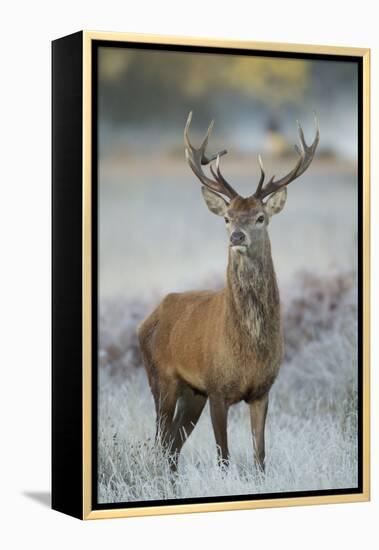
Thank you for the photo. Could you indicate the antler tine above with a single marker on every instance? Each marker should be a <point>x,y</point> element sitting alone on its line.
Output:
<point>219,177</point>
<point>197,157</point>
<point>309,151</point>
<point>262,178</point>
<point>186,128</point>
<point>204,143</point>
<point>306,154</point>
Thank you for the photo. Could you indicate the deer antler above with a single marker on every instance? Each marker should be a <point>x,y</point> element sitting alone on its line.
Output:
<point>306,154</point>
<point>197,157</point>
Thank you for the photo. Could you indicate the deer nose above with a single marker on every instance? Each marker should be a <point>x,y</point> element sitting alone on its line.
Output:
<point>237,238</point>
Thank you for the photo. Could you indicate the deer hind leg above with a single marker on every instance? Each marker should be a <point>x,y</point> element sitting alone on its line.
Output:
<point>219,416</point>
<point>258,413</point>
<point>163,388</point>
<point>189,408</point>
<point>165,396</point>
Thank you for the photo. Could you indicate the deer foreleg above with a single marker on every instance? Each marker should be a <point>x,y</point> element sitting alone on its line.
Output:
<point>219,416</point>
<point>258,412</point>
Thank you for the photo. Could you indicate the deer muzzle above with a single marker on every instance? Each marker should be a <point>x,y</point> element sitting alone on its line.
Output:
<point>238,238</point>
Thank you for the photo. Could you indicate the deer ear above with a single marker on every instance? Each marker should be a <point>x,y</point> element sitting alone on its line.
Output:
<point>276,202</point>
<point>215,202</point>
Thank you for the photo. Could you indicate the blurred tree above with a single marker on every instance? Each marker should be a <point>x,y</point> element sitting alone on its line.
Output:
<point>140,84</point>
<point>114,62</point>
<point>270,80</point>
<point>150,88</point>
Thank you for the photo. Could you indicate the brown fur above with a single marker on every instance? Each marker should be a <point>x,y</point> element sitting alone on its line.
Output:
<point>225,345</point>
<point>241,205</point>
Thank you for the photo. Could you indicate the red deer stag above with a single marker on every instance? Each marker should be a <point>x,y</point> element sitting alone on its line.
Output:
<point>224,345</point>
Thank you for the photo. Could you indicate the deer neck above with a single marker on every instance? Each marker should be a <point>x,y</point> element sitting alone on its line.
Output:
<point>252,292</point>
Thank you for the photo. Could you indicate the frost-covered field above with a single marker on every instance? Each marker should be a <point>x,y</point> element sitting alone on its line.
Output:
<point>311,430</point>
<point>157,236</point>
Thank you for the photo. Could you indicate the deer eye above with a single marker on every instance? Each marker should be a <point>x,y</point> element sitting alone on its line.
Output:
<point>226,220</point>
<point>261,219</point>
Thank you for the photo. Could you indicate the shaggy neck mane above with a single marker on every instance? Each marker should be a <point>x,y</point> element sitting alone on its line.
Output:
<point>252,294</point>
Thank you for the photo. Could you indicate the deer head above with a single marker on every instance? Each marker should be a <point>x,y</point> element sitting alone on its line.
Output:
<point>246,219</point>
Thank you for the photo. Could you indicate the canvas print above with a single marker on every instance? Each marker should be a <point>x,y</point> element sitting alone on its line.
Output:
<point>227,276</point>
